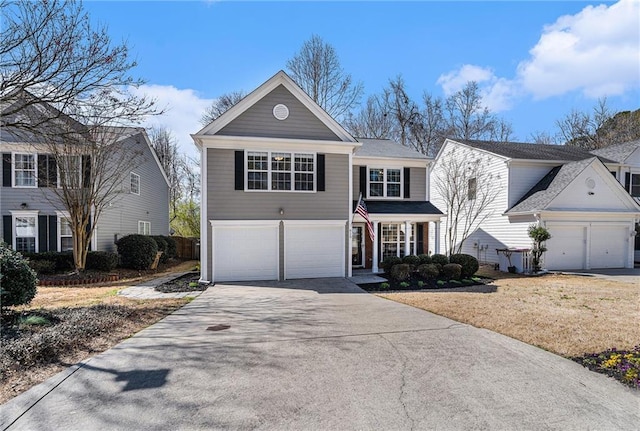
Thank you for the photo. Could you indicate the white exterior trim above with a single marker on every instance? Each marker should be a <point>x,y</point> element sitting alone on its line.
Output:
<point>275,144</point>
<point>205,277</point>
<point>25,213</point>
<point>391,162</point>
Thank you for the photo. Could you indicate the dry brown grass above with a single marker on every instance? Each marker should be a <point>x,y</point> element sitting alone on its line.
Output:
<point>568,315</point>
<point>143,313</point>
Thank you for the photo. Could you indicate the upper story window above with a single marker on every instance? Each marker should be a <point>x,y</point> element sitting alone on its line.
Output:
<point>24,170</point>
<point>385,183</point>
<point>134,183</point>
<point>280,171</point>
<point>635,185</point>
<point>472,189</point>
<point>69,171</point>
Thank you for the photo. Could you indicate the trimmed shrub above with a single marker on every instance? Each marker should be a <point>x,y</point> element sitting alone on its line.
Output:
<point>439,259</point>
<point>424,258</point>
<point>63,260</point>
<point>452,271</point>
<point>162,244</point>
<point>172,247</point>
<point>430,271</point>
<point>43,266</point>
<point>137,251</point>
<point>17,280</point>
<point>401,271</point>
<point>384,286</point>
<point>469,264</point>
<point>101,260</point>
<point>411,260</point>
<point>389,263</point>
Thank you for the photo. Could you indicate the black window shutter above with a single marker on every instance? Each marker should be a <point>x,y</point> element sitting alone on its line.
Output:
<point>53,233</point>
<point>407,183</point>
<point>379,239</point>
<point>43,237</point>
<point>363,181</point>
<point>321,180</point>
<point>86,171</point>
<point>7,229</point>
<point>43,170</point>
<point>627,181</point>
<point>239,170</point>
<point>6,169</point>
<point>52,174</point>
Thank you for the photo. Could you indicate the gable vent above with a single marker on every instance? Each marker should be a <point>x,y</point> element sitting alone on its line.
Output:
<point>281,112</point>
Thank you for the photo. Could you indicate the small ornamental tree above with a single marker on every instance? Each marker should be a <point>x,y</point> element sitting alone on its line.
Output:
<point>539,235</point>
<point>17,280</point>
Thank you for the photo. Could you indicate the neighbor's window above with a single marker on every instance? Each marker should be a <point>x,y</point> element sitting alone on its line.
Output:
<point>635,185</point>
<point>66,236</point>
<point>472,189</point>
<point>280,171</point>
<point>69,172</point>
<point>135,183</point>
<point>144,227</point>
<point>24,170</point>
<point>25,233</point>
<point>386,183</point>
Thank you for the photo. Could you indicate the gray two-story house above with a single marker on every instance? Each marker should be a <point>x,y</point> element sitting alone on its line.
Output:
<point>280,183</point>
<point>34,220</point>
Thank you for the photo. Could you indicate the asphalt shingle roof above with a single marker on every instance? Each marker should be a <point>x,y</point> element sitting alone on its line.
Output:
<point>550,186</point>
<point>387,149</point>
<point>619,152</point>
<point>520,150</point>
<point>399,207</point>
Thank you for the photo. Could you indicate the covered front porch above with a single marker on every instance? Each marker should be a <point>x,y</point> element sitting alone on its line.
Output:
<point>399,228</point>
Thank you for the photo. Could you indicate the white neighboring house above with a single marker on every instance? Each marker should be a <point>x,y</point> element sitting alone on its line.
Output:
<point>570,191</point>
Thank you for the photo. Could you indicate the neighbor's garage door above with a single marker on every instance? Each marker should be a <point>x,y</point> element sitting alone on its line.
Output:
<point>608,246</point>
<point>245,252</point>
<point>314,250</point>
<point>566,248</point>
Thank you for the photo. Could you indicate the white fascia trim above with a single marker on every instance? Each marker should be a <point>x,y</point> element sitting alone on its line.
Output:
<point>238,142</point>
<point>384,162</point>
<point>155,156</point>
<point>582,214</point>
<point>244,223</point>
<point>469,147</point>
<point>315,222</point>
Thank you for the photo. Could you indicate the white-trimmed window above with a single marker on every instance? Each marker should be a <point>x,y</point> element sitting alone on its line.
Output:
<point>25,170</point>
<point>385,182</point>
<point>393,240</point>
<point>25,231</point>
<point>144,227</point>
<point>134,183</point>
<point>280,171</point>
<point>65,234</point>
<point>69,171</point>
<point>472,189</point>
<point>635,186</point>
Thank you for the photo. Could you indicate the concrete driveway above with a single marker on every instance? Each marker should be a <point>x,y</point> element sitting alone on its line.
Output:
<point>320,355</point>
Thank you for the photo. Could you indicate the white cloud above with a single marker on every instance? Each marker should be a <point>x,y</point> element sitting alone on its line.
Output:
<point>183,109</point>
<point>596,51</point>
<point>455,80</point>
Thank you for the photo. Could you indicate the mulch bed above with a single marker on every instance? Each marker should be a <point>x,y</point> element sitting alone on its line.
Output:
<point>185,283</point>
<point>622,365</point>
<point>418,283</point>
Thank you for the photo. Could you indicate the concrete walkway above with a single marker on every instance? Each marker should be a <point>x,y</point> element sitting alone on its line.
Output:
<point>147,290</point>
<point>320,355</point>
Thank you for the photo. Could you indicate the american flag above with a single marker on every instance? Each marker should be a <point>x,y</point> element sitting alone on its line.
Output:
<point>362,210</point>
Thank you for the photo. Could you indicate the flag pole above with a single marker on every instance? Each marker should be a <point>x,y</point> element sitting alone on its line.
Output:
<point>357,205</point>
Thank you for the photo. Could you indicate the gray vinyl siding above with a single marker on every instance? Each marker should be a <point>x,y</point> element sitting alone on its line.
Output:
<point>152,205</point>
<point>37,199</point>
<point>226,203</point>
<point>259,121</point>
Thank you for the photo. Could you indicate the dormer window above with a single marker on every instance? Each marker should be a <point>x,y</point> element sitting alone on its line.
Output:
<point>385,183</point>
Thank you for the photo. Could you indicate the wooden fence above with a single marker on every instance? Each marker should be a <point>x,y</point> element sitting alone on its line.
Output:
<point>187,248</point>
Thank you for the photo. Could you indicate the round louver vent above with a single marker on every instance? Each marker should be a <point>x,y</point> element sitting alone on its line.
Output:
<point>280,111</point>
<point>591,183</point>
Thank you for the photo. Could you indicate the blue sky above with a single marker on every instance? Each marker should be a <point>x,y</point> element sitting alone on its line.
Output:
<point>535,61</point>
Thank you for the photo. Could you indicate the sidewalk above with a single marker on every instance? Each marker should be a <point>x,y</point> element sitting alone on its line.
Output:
<point>147,290</point>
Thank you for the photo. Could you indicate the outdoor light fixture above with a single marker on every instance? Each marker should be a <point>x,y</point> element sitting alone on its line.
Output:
<point>23,205</point>
<point>281,211</point>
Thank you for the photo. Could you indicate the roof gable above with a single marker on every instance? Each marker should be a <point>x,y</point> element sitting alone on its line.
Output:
<point>527,151</point>
<point>627,152</point>
<point>260,103</point>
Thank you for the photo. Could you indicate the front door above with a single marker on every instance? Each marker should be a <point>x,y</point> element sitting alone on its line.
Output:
<point>357,246</point>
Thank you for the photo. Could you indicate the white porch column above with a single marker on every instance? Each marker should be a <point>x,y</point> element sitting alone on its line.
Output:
<point>436,239</point>
<point>374,266</point>
<point>407,238</point>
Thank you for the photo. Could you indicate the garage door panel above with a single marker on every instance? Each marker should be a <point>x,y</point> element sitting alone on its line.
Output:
<point>608,246</point>
<point>243,253</point>
<point>566,248</point>
<point>314,251</point>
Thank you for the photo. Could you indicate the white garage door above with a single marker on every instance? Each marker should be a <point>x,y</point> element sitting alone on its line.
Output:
<point>245,252</point>
<point>314,250</point>
<point>608,246</point>
<point>566,248</point>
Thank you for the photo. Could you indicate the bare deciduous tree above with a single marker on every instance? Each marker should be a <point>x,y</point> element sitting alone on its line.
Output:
<point>372,121</point>
<point>467,191</point>
<point>317,70</point>
<point>221,105</point>
<point>466,117</point>
<point>65,88</point>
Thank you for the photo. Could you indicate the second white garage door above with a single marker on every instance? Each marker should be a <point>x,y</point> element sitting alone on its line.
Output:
<point>566,248</point>
<point>314,249</point>
<point>608,246</point>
